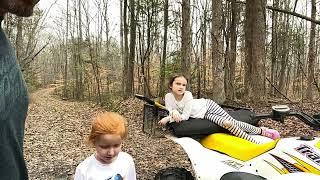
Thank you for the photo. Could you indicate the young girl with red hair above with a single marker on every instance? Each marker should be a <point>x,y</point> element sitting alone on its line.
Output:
<point>108,162</point>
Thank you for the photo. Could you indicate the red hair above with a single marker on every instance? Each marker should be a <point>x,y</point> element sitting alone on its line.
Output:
<point>108,123</point>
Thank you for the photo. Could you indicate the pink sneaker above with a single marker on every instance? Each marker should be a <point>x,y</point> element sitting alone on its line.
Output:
<point>270,133</point>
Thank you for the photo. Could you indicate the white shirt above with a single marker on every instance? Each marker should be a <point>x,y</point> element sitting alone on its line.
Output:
<point>187,106</point>
<point>92,169</point>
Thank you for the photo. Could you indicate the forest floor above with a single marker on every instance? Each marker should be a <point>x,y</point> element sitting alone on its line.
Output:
<point>56,131</point>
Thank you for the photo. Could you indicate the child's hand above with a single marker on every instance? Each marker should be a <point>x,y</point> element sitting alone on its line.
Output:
<point>164,121</point>
<point>177,119</point>
<point>176,116</point>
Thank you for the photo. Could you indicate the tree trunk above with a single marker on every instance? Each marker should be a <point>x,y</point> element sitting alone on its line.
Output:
<point>284,55</point>
<point>312,53</point>
<point>163,86</point>
<point>186,40</point>
<point>145,56</point>
<point>65,77</point>
<point>130,75</point>
<point>80,68</point>
<point>122,56</point>
<point>230,89</point>
<point>218,93</point>
<point>274,49</point>
<point>204,50</point>
<point>93,60</point>
<point>126,49</point>
<point>255,49</point>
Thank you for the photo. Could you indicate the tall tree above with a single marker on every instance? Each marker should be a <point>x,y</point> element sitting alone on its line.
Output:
<point>79,90</point>
<point>186,39</point>
<point>204,48</point>
<point>218,93</point>
<point>255,36</point>
<point>164,49</point>
<point>274,45</point>
<point>231,60</point>
<point>92,55</point>
<point>312,53</point>
<point>283,54</point>
<point>65,77</point>
<point>126,48</point>
<point>147,36</point>
<point>130,74</point>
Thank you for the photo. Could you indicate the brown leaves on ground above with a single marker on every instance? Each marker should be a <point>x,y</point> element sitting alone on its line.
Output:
<point>292,126</point>
<point>56,131</point>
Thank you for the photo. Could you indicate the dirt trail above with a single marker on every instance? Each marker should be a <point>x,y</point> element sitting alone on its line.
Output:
<point>54,135</point>
<point>56,131</point>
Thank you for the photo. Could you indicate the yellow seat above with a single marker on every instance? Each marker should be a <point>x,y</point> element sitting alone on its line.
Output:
<point>236,147</point>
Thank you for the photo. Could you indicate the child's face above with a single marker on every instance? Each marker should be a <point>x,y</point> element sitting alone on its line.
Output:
<point>178,86</point>
<point>108,147</point>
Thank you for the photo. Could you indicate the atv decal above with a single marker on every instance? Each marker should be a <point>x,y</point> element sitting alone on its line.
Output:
<point>233,164</point>
<point>280,171</point>
<point>299,166</point>
<point>289,167</point>
<point>308,167</point>
<point>309,153</point>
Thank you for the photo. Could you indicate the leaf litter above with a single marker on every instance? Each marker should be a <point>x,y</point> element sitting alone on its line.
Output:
<point>56,132</point>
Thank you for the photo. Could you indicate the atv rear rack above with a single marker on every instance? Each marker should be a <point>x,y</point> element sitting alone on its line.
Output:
<point>281,111</point>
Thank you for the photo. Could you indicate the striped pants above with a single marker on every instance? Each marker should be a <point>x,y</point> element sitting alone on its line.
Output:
<point>240,129</point>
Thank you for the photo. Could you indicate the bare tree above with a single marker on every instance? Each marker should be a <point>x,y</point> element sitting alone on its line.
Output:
<point>274,44</point>
<point>255,49</point>
<point>231,57</point>
<point>204,48</point>
<point>218,93</point>
<point>126,47</point>
<point>186,39</point>
<point>66,54</point>
<point>164,49</point>
<point>312,53</point>
<point>92,55</point>
<point>130,74</point>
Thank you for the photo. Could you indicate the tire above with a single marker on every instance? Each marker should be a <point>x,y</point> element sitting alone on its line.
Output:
<point>174,173</point>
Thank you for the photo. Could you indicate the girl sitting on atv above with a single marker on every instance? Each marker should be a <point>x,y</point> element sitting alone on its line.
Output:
<point>181,106</point>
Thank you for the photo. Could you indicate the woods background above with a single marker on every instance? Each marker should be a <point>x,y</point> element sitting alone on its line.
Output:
<point>254,50</point>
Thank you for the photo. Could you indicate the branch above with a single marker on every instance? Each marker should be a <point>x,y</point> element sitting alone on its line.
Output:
<point>288,12</point>
<point>294,14</point>
<point>33,57</point>
<point>278,90</point>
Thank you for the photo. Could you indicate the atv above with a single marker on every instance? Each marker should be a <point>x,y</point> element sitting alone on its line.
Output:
<point>218,155</point>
